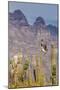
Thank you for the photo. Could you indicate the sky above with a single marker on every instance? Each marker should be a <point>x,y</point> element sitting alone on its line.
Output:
<point>34,10</point>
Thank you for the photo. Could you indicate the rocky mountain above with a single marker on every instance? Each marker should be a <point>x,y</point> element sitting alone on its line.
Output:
<point>22,35</point>
<point>39,21</point>
<point>21,38</point>
<point>52,29</point>
<point>18,19</point>
<point>39,25</point>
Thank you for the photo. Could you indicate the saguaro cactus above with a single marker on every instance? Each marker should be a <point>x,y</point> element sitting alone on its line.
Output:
<point>42,74</point>
<point>53,65</point>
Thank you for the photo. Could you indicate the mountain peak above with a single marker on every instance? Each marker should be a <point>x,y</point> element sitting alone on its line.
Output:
<point>18,11</point>
<point>18,18</point>
<point>39,21</point>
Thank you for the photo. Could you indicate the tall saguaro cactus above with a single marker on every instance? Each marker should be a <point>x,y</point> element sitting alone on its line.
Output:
<point>42,74</point>
<point>37,70</point>
<point>53,65</point>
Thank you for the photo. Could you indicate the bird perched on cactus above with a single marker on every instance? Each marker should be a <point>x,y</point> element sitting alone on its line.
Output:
<point>44,47</point>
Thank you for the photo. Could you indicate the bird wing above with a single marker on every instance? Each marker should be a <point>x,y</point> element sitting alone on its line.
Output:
<point>43,50</point>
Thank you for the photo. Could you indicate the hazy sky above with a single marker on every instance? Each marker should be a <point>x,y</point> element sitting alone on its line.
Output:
<point>33,10</point>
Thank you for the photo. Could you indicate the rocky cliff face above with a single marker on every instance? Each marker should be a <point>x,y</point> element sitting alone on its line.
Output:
<point>18,19</point>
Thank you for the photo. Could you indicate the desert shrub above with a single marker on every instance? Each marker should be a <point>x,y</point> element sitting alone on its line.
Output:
<point>53,76</point>
<point>26,65</point>
<point>20,56</point>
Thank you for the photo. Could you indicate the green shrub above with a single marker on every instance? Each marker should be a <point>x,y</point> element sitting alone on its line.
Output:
<point>26,65</point>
